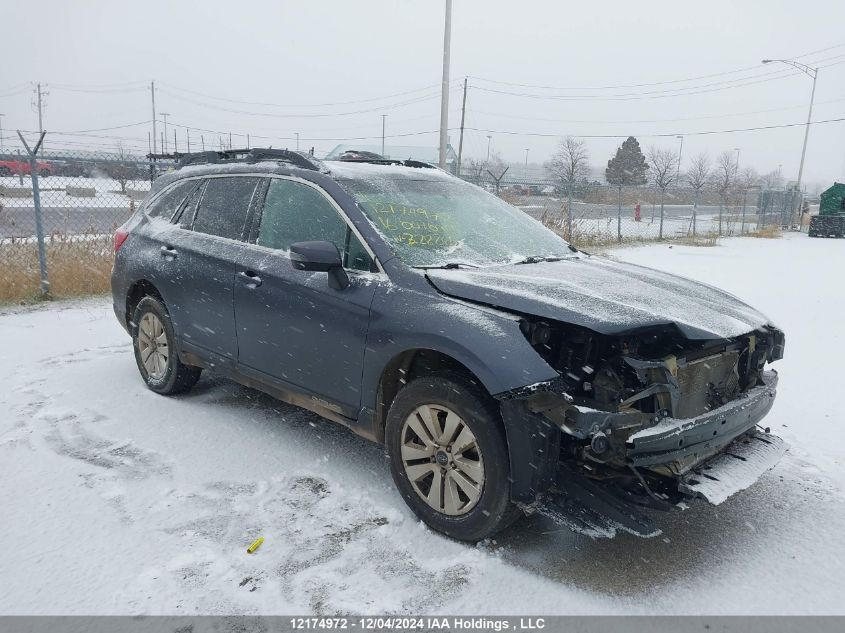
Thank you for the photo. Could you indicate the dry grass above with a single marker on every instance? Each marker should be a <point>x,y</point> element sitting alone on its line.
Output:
<point>76,266</point>
<point>768,232</point>
<point>701,239</point>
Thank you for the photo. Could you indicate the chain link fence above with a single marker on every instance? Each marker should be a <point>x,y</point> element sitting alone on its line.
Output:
<point>597,214</point>
<point>85,196</point>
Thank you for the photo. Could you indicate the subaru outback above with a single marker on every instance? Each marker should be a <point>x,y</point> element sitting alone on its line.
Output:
<point>505,371</point>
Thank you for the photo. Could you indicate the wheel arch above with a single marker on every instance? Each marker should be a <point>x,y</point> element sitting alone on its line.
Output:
<point>408,365</point>
<point>137,291</point>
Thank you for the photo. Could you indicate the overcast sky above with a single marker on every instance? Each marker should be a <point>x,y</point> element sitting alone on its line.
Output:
<point>267,68</point>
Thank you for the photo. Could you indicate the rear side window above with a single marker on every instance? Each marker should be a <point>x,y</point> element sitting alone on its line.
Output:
<point>294,212</point>
<point>168,203</point>
<point>224,205</point>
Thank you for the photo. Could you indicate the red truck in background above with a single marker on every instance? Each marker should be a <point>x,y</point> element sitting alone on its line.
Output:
<point>21,167</point>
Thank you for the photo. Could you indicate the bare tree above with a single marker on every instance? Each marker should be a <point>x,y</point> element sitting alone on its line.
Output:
<point>121,169</point>
<point>663,169</point>
<point>697,177</point>
<point>569,164</point>
<point>747,179</point>
<point>724,180</point>
<point>771,180</point>
<point>476,168</point>
<point>497,168</point>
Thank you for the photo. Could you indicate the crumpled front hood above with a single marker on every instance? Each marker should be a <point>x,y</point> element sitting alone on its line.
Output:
<point>605,296</point>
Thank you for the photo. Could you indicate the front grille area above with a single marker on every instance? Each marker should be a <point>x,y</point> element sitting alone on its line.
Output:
<point>707,383</point>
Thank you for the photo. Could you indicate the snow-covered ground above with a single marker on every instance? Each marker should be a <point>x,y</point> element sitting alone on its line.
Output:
<point>115,500</point>
<point>54,192</point>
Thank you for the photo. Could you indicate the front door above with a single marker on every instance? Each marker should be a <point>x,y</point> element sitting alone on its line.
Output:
<point>291,325</point>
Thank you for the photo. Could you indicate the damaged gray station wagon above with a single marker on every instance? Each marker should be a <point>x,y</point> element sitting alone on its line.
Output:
<point>505,371</point>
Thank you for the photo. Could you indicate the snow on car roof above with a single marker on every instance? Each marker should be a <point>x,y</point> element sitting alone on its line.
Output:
<point>363,170</point>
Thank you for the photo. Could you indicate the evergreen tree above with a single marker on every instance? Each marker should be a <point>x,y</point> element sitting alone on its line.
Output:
<point>629,166</point>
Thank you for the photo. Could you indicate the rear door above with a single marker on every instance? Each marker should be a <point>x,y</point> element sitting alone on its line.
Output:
<point>208,246</point>
<point>158,236</point>
<point>292,327</point>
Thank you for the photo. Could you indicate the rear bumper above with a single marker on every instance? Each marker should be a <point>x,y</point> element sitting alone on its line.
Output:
<point>678,445</point>
<point>120,313</point>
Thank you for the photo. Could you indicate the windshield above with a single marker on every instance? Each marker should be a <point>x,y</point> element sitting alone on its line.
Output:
<point>445,221</point>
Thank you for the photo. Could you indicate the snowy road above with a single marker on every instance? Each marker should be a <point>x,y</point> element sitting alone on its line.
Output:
<point>115,500</point>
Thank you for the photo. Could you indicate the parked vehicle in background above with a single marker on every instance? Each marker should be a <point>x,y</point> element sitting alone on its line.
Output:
<point>22,168</point>
<point>504,370</point>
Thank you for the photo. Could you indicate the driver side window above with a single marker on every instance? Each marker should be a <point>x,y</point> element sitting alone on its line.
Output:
<point>294,212</point>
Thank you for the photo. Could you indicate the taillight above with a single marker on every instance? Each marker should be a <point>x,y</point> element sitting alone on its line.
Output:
<point>120,236</point>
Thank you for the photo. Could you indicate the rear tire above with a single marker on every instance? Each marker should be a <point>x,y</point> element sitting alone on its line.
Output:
<point>449,457</point>
<point>155,350</point>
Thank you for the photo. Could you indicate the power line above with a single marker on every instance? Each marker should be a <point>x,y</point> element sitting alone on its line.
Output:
<point>672,92</point>
<point>698,118</point>
<point>99,91</point>
<point>309,115</point>
<point>650,84</point>
<point>301,105</point>
<point>103,129</point>
<point>656,135</point>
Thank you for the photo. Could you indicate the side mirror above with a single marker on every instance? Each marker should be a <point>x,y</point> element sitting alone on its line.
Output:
<point>320,257</point>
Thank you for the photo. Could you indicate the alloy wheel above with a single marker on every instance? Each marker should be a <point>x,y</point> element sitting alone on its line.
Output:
<point>442,459</point>
<point>153,346</point>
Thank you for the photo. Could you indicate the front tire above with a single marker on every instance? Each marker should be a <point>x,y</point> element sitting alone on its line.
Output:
<point>449,457</point>
<point>155,350</point>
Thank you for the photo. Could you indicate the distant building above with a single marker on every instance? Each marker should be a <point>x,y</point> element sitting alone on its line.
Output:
<point>401,152</point>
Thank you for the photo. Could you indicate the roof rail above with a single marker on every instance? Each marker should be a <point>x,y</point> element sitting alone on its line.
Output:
<point>247,155</point>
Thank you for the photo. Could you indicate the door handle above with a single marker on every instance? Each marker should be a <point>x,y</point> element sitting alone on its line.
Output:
<point>169,251</point>
<point>250,278</point>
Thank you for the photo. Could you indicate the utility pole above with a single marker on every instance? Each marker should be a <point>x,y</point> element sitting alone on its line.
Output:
<point>164,115</point>
<point>153,94</point>
<point>444,90</point>
<point>230,140</point>
<point>297,141</point>
<point>188,138</point>
<point>680,156</point>
<point>814,73</point>
<point>383,124</point>
<point>1,131</point>
<point>489,138</point>
<point>526,159</point>
<point>40,108</point>
<point>463,117</point>
<point>737,150</point>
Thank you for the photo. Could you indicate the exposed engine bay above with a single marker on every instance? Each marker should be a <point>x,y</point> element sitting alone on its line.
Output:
<point>646,414</point>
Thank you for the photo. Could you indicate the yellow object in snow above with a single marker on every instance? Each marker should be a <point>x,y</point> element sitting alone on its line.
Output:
<point>255,545</point>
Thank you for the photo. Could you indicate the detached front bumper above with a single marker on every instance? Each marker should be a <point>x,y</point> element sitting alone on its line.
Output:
<point>676,446</point>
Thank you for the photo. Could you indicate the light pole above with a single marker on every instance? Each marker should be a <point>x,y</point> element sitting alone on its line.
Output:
<point>680,156</point>
<point>383,123</point>
<point>489,138</point>
<point>164,116</point>
<point>814,74</point>
<point>444,89</point>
